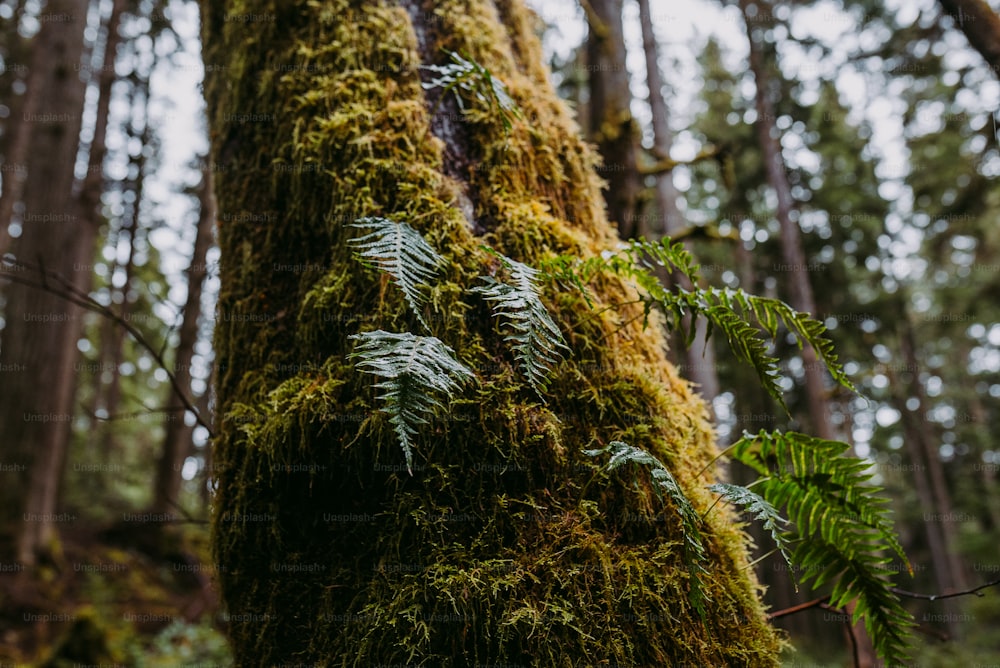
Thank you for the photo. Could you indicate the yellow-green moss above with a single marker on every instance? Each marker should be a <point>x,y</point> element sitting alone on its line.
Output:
<point>496,550</point>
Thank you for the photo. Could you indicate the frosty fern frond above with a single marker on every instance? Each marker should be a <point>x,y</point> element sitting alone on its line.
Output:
<point>664,481</point>
<point>400,251</point>
<point>839,524</point>
<point>414,369</point>
<point>465,74</point>
<point>535,338</point>
<point>760,509</point>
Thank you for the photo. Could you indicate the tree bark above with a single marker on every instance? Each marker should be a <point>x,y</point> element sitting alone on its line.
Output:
<point>37,376</point>
<point>981,26</point>
<point>177,441</point>
<point>495,549</point>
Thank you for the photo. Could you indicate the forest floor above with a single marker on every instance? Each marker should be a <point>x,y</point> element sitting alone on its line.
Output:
<point>129,594</point>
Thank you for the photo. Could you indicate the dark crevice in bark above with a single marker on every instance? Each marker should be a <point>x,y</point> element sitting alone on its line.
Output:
<point>445,121</point>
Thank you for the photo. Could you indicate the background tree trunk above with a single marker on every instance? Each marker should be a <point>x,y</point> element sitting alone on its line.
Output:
<point>801,295</point>
<point>177,442</point>
<point>37,378</point>
<point>939,521</point>
<point>495,549</point>
<point>798,282</point>
<point>612,126</point>
<point>981,26</point>
<point>697,361</point>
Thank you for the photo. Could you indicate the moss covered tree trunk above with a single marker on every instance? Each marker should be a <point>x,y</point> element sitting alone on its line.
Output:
<point>496,549</point>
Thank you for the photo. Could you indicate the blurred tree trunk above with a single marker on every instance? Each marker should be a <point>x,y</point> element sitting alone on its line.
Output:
<point>801,297</point>
<point>612,126</point>
<point>123,295</point>
<point>206,406</point>
<point>89,202</point>
<point>981,26</point>
<point>93,183</point>
<point>987,472</point>
<point>17,132</point>
<point>928,472</point>
<point>697,361</point>
<point>794,257</point>
<point>318,118</point>
<point>37,376</point>
<point>177,442</point>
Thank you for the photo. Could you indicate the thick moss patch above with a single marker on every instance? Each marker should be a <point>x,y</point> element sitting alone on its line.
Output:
<point>501,548</point>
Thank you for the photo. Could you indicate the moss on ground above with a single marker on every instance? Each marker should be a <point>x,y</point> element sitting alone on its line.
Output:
<point>496,550</point>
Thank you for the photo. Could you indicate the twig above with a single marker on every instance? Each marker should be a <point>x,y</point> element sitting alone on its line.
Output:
<point>71,293</point>
<point>939,597</point>
<point>798,608</point>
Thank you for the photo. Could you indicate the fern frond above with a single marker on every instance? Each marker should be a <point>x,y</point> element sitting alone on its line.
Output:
<point>572,271</point>
<point>467,75</point>
<point>757,506</point>
<point>733,312</point>
<point>859,579</point>
<point>694,550</point>
<point>535,338</point>
<point>664,253</point>
<point>414,369</point>
<point>840,526</point>
<point>772,312</point>
<point>400,251</point>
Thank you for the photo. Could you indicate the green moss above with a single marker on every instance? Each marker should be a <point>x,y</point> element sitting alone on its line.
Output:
<point>497,549</point>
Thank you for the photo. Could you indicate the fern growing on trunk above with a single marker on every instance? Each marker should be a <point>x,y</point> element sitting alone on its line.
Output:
<point>837,526</point>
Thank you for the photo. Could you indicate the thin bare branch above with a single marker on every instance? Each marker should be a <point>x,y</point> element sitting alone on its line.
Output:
<point>63,288</point>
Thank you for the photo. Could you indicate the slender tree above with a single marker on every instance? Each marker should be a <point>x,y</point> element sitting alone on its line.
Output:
<point>612,126</point>
<point>37,379</point>
<point>698,360</point>
<point>769,139</point>
<point>177,441</point>
<point>928,471</point>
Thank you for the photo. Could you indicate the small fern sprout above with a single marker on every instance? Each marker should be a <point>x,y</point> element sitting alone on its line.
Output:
<point>400,251</point>
<point>415,370</point>
<point>467,75</point>
<point>535,338</point>
<point>743,318</point>
<point>665,483</point>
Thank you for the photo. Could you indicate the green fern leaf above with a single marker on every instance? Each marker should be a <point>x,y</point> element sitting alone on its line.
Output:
<point>400,251</point>
<point>733,312</point>
<point>535,338</point>
<point>664,482</point>
<point>414,369</point>
<point>770,312</point>
<point>840,526</point>
<point>664,253</point>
